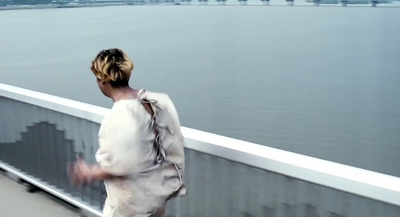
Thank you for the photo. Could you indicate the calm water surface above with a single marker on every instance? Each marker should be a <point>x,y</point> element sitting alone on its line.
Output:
<point>321,81</point>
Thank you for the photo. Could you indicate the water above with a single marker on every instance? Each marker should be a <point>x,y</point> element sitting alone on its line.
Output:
<point>320,81</point>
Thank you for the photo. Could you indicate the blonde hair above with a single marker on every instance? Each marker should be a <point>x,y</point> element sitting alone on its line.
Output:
<point>114,66</point>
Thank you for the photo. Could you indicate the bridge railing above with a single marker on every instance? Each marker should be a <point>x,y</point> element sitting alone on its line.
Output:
<point>40,134</point>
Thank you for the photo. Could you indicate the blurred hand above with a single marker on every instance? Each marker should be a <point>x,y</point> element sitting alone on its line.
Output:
<point>80,172</point>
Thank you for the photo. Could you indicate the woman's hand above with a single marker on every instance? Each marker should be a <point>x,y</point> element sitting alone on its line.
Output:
<point>80,173</point>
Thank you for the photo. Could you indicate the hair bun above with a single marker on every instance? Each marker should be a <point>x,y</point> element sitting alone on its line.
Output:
<point>112,65</point>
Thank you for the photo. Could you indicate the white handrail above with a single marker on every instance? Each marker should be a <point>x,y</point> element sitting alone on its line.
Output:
<point>350,179</point>
<point>71,107</point>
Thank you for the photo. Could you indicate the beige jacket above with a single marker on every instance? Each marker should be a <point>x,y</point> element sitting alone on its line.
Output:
<point>148,150</point>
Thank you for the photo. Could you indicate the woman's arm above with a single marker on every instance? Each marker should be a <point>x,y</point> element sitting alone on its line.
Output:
<point>96,173</point>
<point>82,174</point>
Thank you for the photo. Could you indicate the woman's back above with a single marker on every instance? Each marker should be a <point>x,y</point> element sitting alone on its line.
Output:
<point>145,146</point>
<point>141,147</point>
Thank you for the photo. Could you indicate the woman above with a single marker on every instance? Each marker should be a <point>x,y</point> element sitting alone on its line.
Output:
<point>141,147</point>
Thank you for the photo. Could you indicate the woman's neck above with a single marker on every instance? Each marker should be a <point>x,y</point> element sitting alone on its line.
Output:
<point>122,93</point>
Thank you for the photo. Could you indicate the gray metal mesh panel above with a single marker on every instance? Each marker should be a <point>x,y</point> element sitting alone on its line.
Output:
<point>219,187</point>
<point>42,142</point>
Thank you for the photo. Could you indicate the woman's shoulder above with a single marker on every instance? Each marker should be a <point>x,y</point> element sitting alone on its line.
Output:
<point>161,98</point>
<point>154,95</point>
<point>120,111</point>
